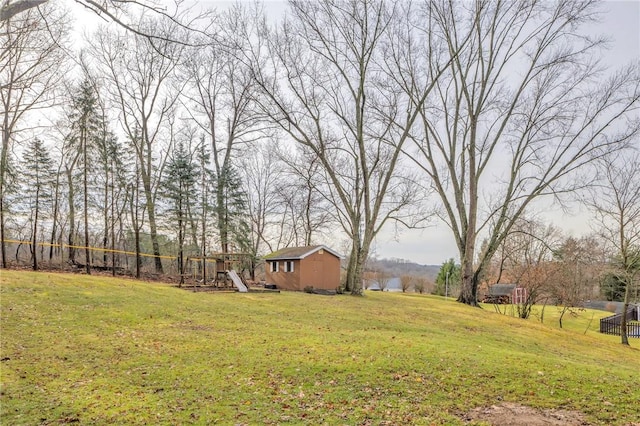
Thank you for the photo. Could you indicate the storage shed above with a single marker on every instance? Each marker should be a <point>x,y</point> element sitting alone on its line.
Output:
<point>506,293</point>
<point>295,268</point>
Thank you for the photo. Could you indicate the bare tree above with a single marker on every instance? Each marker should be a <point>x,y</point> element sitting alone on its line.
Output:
<point>139,77</point>
<point>579,263</point>
<point>206,177</point>
<point>110,175</point>
<point>56,211</point>
<point>122,12</point>
<point>221,99</point>
<point>307,214</point>
<point>31,57</point>
<point>332,84</point>
<point>261,171</point>
<point>406,281</point>
<point>383,278</point>
<point>521,111</point>
<point>525,259</point>
<point>616,203</point>
<point>423,285</point>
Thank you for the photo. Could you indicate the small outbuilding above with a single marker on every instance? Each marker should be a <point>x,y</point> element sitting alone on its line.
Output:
<point>506,293</point>
<point>295,268</point>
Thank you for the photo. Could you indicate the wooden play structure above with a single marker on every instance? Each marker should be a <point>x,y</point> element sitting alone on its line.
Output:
<point>218,271</point>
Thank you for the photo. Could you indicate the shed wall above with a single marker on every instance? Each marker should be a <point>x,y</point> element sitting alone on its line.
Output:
<point>284,280</point>
<point>320,270</point>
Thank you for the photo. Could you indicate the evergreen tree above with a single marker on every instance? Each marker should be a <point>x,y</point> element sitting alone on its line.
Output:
<point>448,278</point>
<point>39,175</point>
<point>613,287</point>
<point>86,123</point>
<point>181,187</point>
<point>231,211</point>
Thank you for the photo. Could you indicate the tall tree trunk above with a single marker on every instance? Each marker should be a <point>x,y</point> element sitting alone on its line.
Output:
<point>54,219</point>
<point>72,218</point>
<point>180,244</point>
<point>203,245</point>
<point>113,225</point>
<point>3,246</point>
<point>221,215</point>
<point>34,252</point>
<point>105,239</point>
<point>623,324</point>
<point>85,185</point>
<point>469,285</point>
<point>348,283</point>
<point>136,225</point>
<point>357,259</point>
<point>4,160</point>
<point>153,229</point>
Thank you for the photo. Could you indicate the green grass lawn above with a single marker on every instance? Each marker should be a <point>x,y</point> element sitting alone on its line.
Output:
<point>98,350</point>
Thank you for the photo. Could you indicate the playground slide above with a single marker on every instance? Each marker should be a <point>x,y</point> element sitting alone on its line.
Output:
<point>237,281</point>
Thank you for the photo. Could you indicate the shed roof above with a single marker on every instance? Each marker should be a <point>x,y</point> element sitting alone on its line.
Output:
<point>292,253</point>
<point>501,289</point>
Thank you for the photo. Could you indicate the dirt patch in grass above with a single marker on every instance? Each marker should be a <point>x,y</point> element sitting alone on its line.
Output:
<point>510,414</point>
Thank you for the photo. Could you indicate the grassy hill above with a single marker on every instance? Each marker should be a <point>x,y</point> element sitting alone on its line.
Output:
<point>97,350</point>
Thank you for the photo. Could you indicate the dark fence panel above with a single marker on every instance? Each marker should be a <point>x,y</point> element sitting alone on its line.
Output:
<point>613,324</point>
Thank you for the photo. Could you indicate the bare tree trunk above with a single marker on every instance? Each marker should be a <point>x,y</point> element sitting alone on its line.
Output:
<point>153,231</point>
<point>85,185</point>
<point>3,245</point>
<point>34,251</point>
<point>138,257</point>
<point>204,199</point>
<point>72,218</point>
<point>113,222</point>
<point>54,219</point>
<point>4,156</point>
<point>221,213</point>
<point>107,211</point>
<point>180,243</point>
<point>135,221</point>
<point>624,338</point>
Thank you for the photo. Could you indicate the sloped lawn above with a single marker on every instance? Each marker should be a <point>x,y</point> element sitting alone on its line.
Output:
<point>97,350</point>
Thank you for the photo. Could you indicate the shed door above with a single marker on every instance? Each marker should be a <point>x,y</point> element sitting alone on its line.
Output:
<point>317,272</point>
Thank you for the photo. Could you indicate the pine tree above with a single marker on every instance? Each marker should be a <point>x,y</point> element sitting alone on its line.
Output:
<point>39,175</point>
<point>231,211</point>
<point>181,191</point>
<point>448,278</point>
<point>85,130</point>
